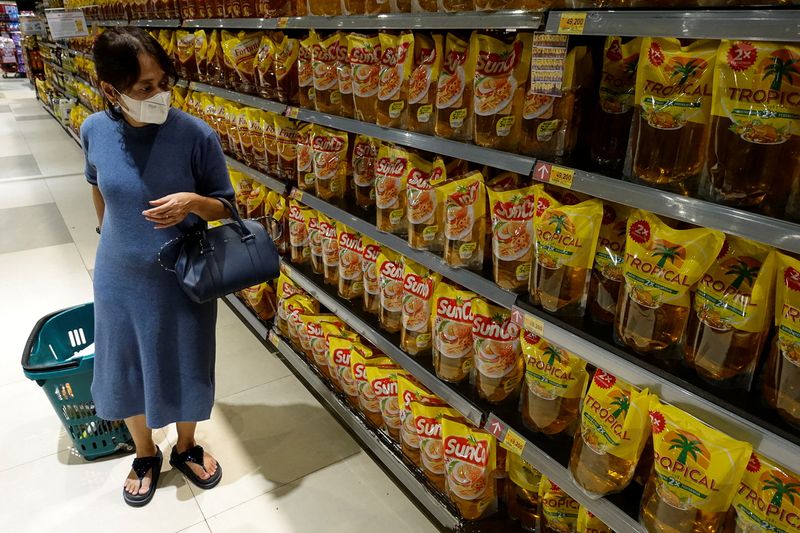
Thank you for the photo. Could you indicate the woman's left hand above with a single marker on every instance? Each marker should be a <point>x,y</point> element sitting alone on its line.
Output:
<point>171,209</point>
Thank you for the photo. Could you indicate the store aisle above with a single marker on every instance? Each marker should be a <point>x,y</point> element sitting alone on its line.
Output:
<point>289,466</point>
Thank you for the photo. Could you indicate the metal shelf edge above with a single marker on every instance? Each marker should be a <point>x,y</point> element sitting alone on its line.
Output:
<point>456,401</point>
<point>157,23</point>
<point>768,444</point>
<point>276,185</point>
<point>248,316</point>
<point>395,465</point>
<point>245,99</point>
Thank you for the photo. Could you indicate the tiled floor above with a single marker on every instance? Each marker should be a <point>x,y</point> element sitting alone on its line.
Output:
<point>289,466</point>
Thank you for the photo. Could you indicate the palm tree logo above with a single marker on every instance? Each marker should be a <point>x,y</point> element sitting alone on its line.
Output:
<point>667,251</point>
<point>687,446</point>
<point>554,355</point>
<point>561,221</point>
<point>745,269</point>
<point>687,69</point>
<point>780,68</point>
<point>781,488</point>
<point>622,404</point>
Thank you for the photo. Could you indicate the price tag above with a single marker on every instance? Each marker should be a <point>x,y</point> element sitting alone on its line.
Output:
<point>292,112</point>
<point>572,23</point>
<point>513,442</point>
<point>283,22</point>
<point>534,325</point>
<point>562,176</point>
<point>273,337</point>
<point>297,194</point>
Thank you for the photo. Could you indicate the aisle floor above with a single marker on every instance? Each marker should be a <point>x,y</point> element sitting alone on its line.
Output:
<point>289,466</point>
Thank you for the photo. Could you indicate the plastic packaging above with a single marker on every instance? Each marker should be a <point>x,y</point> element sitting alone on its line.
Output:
<point>512,236</point>
<point>418,288</point>
<point>499,367</point>
<point>464,225</point>
<point>451,318</point>
<point>470,462</point>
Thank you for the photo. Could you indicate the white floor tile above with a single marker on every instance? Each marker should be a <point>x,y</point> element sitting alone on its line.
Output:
<point>24,193</point>
<point>11,144</point>
<point>202,527</point>
<point>73,197</point>
<point>266,437</point>
<point>351,496</point>
<point>58,157</point>
<point>38,132</point>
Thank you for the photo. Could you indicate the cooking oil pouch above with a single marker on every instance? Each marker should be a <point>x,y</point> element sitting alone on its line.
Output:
<point>293,307</point>
<point>270,141</point>
<point>279,225</point>
<point>732,308</point>
<point>344,73</point>
<point>418,286</point>
<point>240,51</point>
<point>383,380</point>
<point>501,70</point>
<point>329,150</point>
<point>423,219</point>
<point>464,220</point>
<point>325,62</point>
<point>390,278</point>
<point>423,81</point>
<point>245,133</point>
<point>360,358</point>
<point>306,179</point>
<point>297,327</point>
<point>390,189</point>
<point>456,6</point>
<point>213,59</point>
<point>608,262</point>
<point>409,390</point>
<point>261,300</point>
<point>287,50</point>
<point>397,52</point>
<point>555,382</point>
<point>242,185</point>
<point>315,242</point>
<point>339,352</point>
<point>369,273</point>
<point>766,499</point>
<point>265,68</point>
<point>317,336</point>
<point>285,288</point>
<point>498,359</point>
<point>566,240</point>
<point>512,236</point>
<point>298,235</point>
<point>428,423</point>
<point>454,105</point>
<point>365,154</point>
<point>589,523</point>
<point>614,428</point>
<point>232,129</point>
<point>257,148</point>
<point>697,471</point>
<point>255,202</point>
<point>451,320</point>
<point>470,462</point>
<point>305,71</point>
<point>200,55</point>
<point>673,98</point>
<point>661,264</point>
<point>330,249</point>
<point>559,512</point>
<point>365,56</point>
<point>286,135</point>
<point>351,250</point>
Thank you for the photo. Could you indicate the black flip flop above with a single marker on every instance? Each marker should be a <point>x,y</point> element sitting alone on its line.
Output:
<point>141,465</point>
<point>195,455</point>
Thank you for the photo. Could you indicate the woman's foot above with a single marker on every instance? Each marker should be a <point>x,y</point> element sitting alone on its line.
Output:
<point>197,465</point>
<point>142,482</point>
<point>209,462</point>
<point>132,485</point>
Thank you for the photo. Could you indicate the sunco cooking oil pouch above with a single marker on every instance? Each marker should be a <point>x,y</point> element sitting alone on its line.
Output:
<point>365,57</point>
<point>451,320</point>
<point>261,300</point>
<point>317,346</point>
<point>339,351</point>
<point>305,71</point>
<point>696,475</point>
<point>286,135</point>
<point>390,189</point>
<point>555,381</point>
<point>330,249</point>
<point>315,242</point>
<point>765,500</point>
<point>422,84</point>
<point>383,380</point>
<point>306,179</point>
<point>365,154</point>
<point>331,330</point>
<point>608,262</point>
<point>470,462</point>
<point>454,105</point>
<point>501,71</point>
<point>298,233</point>
<point>329,150</point>
<point>265,68</point>
<point>286,76</point>
<point>498,360</point>
<point>428,423</point>
<point>589,523</point>
<point>284,290</point>
<point>730,320</point>
<point>566,240</point>
<point>409,390</point>
<point>369,270</point>
<point>351,250</point>
<point>418,287</point>
<point>614,429</point>
<point>661,264</point>
<point>360,358</point>
<point>423,224</point>
<point>464,225</point>
<point>397,52</point>
<point>344,72</point>
<point>325,59</point>
<point>390,279</point>
<point>673,99</point>
<point>293,307</point>
<point>512,236</point>
<point>559,512</point>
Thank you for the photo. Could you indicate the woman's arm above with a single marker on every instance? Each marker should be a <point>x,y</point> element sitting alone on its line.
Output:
<point>173,208</point>
<point>99,204</point>
<point>209,208</point>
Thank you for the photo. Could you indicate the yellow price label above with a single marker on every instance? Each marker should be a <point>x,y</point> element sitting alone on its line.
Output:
<point>514,442</point>
<point>297,194</point>
<point>572,23</point>
<point>283,22</point>
<point>562,176</point>
<point>273,337</point>
<point>292,112</point>
<point>534,325</point>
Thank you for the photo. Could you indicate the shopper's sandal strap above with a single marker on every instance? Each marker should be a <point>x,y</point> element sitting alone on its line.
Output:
<point>142,465</point>
<point>195,455</point>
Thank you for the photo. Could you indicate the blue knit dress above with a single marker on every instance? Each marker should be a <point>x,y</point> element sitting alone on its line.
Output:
<point>154,348</point>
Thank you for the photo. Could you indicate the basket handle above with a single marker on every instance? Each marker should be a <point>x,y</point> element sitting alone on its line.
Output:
<point>34,336</point>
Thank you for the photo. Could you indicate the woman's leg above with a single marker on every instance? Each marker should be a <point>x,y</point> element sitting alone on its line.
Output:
<point>186,441</point>
<point>145,447</point>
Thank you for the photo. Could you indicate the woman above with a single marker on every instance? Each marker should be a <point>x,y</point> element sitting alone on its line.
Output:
<point>155,173</point>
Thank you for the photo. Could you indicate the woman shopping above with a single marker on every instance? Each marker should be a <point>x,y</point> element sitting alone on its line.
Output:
<point>155,174</point>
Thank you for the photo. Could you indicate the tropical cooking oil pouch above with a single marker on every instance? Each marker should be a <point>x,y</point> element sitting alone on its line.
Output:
<point>397,52</point>
<point>454,102</point>
<point>325,62</point>
<point>390,186</point>
<point>287,50</point>
<point>464,225</point>
<point>330,249</point>
<point>315,242</point>
<point>265,68</point>
<point>422,84</point>
<point>329,150</point>
<point>286,135</point>
<point>498,359</point>
<point>428,423</point>
<point>305,71</point>
<point>470,461</point>
<point>589,523</point>
<point>697,470</point>
<point>370,277</point>
<point>365,154</point>
<point>351,250</point>
<point>451,319</point>
<point>609,258</point>
<point>423,224</point>
<point>306,179</point>
<point>559,512</point>
<point>298,234</point>
<point>512,236</point>
<point>390,279</point>
<point>365,56</point>
<point>418,286</point>
<point>383,380</point>
<point>501,71</point>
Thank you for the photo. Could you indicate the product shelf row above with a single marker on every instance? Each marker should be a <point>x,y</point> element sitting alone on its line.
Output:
<point>278,186</point>
<point>71,133</point>
<point>69,73</point>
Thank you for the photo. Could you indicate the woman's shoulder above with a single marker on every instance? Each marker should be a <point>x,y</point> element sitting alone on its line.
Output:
<point>97,121</point>
<point>189,126</point>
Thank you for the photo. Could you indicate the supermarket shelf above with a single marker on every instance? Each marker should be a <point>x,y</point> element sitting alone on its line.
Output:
<point>368,438</point>
<point>366,327</point>
<point>471,280</point>
<point>112,23</point>
<point>258,327</point>
<point>69,131</point>
<point>518,19</point>
<point>550,457</point>
<point>751,24</point>
<point>778,233</point>
<point>476,154</point>
<point>280,187</point>
<point>769,437</point>
<point>156,23</point>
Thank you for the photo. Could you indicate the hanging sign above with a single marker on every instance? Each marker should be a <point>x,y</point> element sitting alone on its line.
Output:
<point>66,23</point>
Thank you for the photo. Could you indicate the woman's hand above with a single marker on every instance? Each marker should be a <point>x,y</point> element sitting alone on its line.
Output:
<point>171,209</point>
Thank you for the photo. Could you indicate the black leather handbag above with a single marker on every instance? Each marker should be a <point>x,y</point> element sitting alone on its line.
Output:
<point>217,261</point>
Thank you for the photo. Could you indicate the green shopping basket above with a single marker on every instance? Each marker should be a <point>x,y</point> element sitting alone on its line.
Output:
<point>51,359</point>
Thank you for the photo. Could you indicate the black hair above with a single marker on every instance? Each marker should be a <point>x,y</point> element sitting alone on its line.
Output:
<point>116,58</point>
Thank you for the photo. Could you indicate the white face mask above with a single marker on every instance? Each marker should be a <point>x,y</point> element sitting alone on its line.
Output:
<point>154,110</point>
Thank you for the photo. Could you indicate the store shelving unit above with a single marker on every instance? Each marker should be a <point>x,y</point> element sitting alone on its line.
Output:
<point>71,133</point>
<point>276,185</point>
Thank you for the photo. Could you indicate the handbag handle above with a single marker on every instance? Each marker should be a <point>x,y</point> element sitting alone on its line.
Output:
<point>246,233</point>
